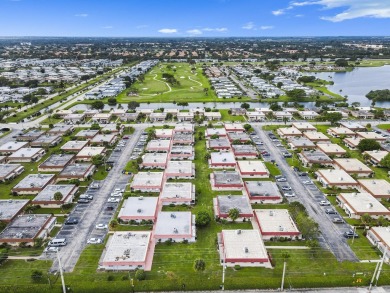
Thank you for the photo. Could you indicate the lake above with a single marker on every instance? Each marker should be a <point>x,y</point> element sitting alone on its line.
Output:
<point>359,82</point>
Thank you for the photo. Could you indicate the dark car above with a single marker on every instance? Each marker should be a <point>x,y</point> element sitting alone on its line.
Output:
<point>71,221</point>
<point>287,155</point>
<point>350,234</point>
<point>109,208</point>
<point>330,211</point>
<point>83,200</point>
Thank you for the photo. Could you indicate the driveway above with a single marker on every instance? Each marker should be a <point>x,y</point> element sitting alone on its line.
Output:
<point>331,236</point>
<point>94,212</point>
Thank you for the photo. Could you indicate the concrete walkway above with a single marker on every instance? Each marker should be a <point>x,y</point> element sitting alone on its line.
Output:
<point>287,247</point>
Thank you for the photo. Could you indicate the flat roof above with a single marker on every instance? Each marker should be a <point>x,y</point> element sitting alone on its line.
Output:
<point>222,158</point>
<point>301,142</point>
<point>239,136</point>
<point>341,130</point>
<point>371,135</point>
<point>377,155</point>
<point>148,178</point>
<point>25,153</point>
<point>234,127</point>
<point>331,148</point>
<point>25,226</point>
<point>262,188</point>
<point>215,131</point>
<point>363,203</point>
<point>377,187</point>
<point>227,177</point>
<point>6,169</point>
<point>182,149</point>
<point>33,133</point>
<point>336,176</point>
<point>139,207</point>
<point>46,139</point>
<point>12,146</point>
<point>35,181</point>
<point>316,156</point>
<point>164,132</point>
<point>173,223</point>
<point>10,207</point>
<point>180,167</point>
<point>61,128</point>
<point>183,136</point>
<point>154,158</point>
<point>275,220</point>
<point>243,244</point>
<point>47,194</point>
<point>76,169</point>
<point>383,233</point>
<point>158,144</point>
<point>352,125</point>
<point>57,160</point>
<point>185,127</point>
<point>91,151</point>
<point>315,135</point>
<point>102,116</point>
<point>248,166</point>
<point>244,148</point>
<point>353,141</point>
<point>178,190</point>
<point>220,142</point>
<point>352,165</point>
<point>127,247</point>
<point>75,145</point>
<point>228,202</point>
<point>87,133</point>
<point>289,131</point>
<point>304,125</point>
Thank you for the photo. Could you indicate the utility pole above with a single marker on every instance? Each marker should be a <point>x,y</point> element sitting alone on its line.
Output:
<point>61,273</point>
<point>373,276</point>
<point>354,232</point>
<point>380,266</point>
<point>284,273</point>
<point>223,272</point>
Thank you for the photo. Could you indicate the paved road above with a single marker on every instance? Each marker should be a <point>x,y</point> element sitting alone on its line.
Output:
<point>331,237</point>
<point>250,92</point>
<point>92,213</point>
<point>384,289</point>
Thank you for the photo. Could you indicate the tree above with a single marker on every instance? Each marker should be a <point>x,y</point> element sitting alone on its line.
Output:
<point>285,255</point>
<point>275,106</point>
<point>57,196</point>
<point>202,219</point>
<point>97,160</point>
<point>234,214</point>
<point>368,145</point>
<point>199,265</point>
<point>95,126</point>
<point>247,127</point>
<point>245,106</point>
<point>36,276</point>
<point>307,226</point>
<point>341,63</point>
<point>305,78</point>
<point>313,245</point>
<point>333,117</point>
<point>140,275</point>
<point>113,223</point>
<point>366,219</point>
<point>133,105</point>
<point>98,105</point>
<point>385,162</point>
<point>296,94</point>
<point>355,104</point>
<point>112,101</point>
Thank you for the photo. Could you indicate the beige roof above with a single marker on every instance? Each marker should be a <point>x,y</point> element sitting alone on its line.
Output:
<point>304,125</point>
<point>377,187</point>
<point>336,176</point>
<point>341,130</point>
<point>352,165</point>
<point>275,220</point>
<point>315,135</point>
<point>353,141</point>
<point>362,203</point>
<point>252,166</point>
<point>331,148</point>
<point>376,155</point>
<point>91,151</point>
<point>289,131</point>
<point>371,135</point>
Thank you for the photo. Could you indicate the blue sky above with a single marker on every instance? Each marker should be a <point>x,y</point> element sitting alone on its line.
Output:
<point>202,18</point>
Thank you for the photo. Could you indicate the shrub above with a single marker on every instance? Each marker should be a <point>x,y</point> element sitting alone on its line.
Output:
<point>110,278</point>
<point>237,267</point>
<point>140,275</point>
<point>36,276</point>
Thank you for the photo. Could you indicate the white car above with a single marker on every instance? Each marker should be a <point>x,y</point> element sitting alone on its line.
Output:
<point>119,194</point>
<point>94,241</point>
<point>51,249</point>
<point>289,194</point>
<point>113,199</point>
<point>324,203</point>
<point>101,226</point>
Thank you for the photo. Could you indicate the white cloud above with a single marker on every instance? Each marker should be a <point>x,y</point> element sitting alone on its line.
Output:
<point>279,12</point>
<point>248,26</point>
<point>168,31</point>
<point>351,8</point>
<point>266,27</point>
<point>81,15</point>
<point>108,27</point>
<point>217,29</point>
<point>194,32</point>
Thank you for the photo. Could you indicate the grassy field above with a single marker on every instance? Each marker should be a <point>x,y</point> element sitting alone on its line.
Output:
<point>155,89</point>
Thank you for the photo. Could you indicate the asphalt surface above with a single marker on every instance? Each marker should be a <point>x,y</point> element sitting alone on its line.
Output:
<point>308,194</point>
<point>95,212</point>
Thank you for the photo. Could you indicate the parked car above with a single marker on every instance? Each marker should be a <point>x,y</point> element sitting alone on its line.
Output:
<point>324,203</point>
<point>286,188</point>
<point>83,200</point>
<point>101,226</point>
<point>330,211</point>
<point>350,234</point>
<point>109,208</point>
<point>337,220</point>
<point>125,137</point>
<point>71,221</point>
<point>287,155</point>
<point>51,249</point>
<point>113,199</point>
<point>289,194</point>
<point>282,179</point>
<point>302,174</point>
<point>94,241</point>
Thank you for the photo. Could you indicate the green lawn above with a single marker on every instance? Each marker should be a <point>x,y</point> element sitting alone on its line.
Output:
<point>384,126</point>
<point>230,118</point>
<point>274,170</point>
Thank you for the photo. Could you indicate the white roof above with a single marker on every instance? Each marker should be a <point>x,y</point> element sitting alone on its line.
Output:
<point>336,176</point>
<point>243,244</point>
<point>289,131</point>
<point>127,247</point>
<point>76,145</point>
<point>377,187</point>
<point>139,206</point>
<point>341,130</point>
<point>363,203</point>
<point>26,152</point>
<point>252,166</point>
<point>315,135</point>
<point>179,167</point>
<point>164,132</point>
<point>159,144</point>
<point>155,158</point>
<point>304,125</point>
<point>371,135</point>
<point>275,220</point>
<point>329,148</point>
<point>177,190</point>
<point>173,223</point>
<point>352,165</point>
<point>90,151</point>
<point>377,155</point>
<point>383,233</point>
<point>148,179</point>
<point>12,146</point>
<point>213,131</point>
<point>222,158</point>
